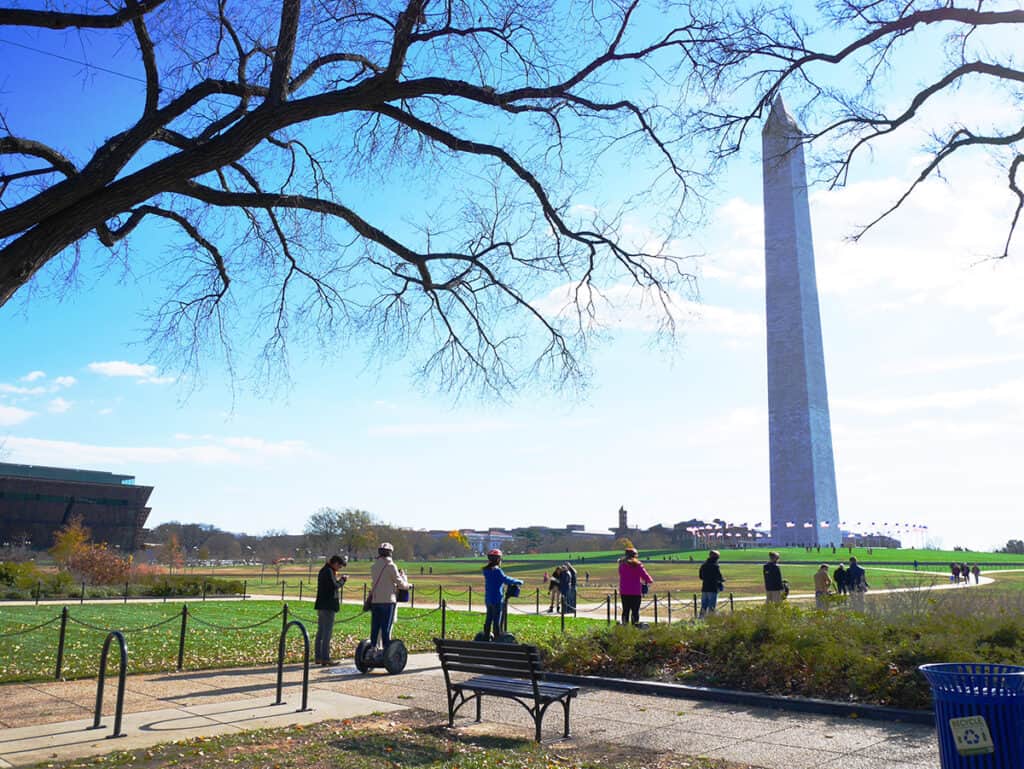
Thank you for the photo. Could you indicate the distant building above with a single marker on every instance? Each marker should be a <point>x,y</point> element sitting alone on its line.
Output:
<point>481,541</point>
<point>870,540</point>
<point>35,501</point>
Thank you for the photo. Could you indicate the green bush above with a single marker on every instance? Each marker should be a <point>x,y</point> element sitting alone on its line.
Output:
<point>799,651</point>
<point>187,585</point>
<point>19,574</point>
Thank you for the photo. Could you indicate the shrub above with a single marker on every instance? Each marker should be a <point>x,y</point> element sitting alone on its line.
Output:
<point>98,564</point>
<point>799,651</point>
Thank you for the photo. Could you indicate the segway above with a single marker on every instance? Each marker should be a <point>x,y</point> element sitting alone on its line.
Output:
<point>392,657</point>
<point>504,637</point>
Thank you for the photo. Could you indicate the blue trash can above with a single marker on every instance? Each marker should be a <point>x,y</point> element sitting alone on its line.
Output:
<point>979,714</point>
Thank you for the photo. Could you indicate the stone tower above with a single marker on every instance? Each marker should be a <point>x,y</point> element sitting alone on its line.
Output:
<point>803,479</point>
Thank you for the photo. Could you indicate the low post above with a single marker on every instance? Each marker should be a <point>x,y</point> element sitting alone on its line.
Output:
<point>608,607</point>
<point>245,588</point>
<point>300,591</point>
<point>341,594</point>
<point>412,596</point>
<point>181,638</point>
<point>440,598</point>
<point>668,602</point>
<point>81,599</point>
<point>536,601</point>
<point>305,664</point>
<point>562,613</point>
<point>284,618</point>
<point>122,675</point>
<point>730,603</point>
<point>364,592</point>
<point>282,589</point>
<point>655,608</point>
<point>695,606</point>
<point>60,642</point>
<point>444,611</point>
<point>39,590</point>
<point>470,598</point>
<point>126,592</point>
<point>615,595</point>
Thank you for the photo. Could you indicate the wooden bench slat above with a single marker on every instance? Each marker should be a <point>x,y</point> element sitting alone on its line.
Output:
<point>475,667</point>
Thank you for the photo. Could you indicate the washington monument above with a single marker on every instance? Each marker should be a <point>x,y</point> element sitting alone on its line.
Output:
<point>803,477</point>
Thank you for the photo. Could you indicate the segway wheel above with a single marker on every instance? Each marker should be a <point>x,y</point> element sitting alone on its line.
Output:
<point>362,665</point>
<point>395,656</point>
<point>505,638</point>
<point>482,637</point>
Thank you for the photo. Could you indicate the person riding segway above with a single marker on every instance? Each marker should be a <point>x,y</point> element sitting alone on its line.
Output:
<point>390,586</point>
<point>496,599</point>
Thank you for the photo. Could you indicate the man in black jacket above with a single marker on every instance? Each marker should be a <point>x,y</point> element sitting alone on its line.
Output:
<point>773,586</point>
<point>711,583</point>
<point>327,605</point>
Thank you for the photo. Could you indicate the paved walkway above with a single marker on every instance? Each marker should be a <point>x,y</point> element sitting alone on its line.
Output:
<point>48,721</point>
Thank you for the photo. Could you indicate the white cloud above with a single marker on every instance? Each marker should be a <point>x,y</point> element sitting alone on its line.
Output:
<point>65,381</point>
<point>1006,394</point>
<point>12,415</point>
<point>122,368</point>
<point>105,412</point>
<point>73,453</point>
<point>143,372</point>
<point>625,306</point>
<point>33,376</point>
<point>16,390</point>
<point>58,406</point>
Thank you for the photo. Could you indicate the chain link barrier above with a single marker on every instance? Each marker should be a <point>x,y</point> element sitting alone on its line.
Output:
<point>215,626</point>
<point>24,631</point>
<point>99,629</point>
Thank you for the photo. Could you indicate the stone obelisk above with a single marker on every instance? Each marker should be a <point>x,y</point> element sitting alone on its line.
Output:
<point>803,478</point>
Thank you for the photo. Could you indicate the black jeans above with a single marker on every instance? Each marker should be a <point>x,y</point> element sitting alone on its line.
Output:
<point>630,608</point>
<point>493,619</point>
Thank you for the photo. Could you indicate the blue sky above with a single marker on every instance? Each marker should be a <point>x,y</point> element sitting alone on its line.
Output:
<point>924,345</point>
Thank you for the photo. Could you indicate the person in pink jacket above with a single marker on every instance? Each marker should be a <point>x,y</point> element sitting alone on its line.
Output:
<point>633,579</point>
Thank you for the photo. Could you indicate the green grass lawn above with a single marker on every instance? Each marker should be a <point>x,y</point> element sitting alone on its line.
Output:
<point>32,656</point>
<point>406,739</point>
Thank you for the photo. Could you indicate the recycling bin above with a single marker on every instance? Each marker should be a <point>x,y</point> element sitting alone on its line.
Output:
<point>979,714</point>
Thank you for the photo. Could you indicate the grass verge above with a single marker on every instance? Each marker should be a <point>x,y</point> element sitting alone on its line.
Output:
<point>31,656</point>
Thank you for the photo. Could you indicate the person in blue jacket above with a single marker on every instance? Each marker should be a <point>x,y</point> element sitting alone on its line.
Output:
<point>494,592</point>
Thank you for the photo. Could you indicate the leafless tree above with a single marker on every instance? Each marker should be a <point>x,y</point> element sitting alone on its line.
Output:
<point>840,63</point>
<point>271,134</point>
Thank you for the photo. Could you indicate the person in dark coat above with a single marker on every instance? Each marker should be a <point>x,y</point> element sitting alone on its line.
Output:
<point>839,577</point>
<point>711,583</point>
<point>773,584</point>
<point>857,584</point>
<point>327,605</point>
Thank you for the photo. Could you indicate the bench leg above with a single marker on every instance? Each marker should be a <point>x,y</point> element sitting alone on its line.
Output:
<point>565,707</point>
<point>478,698</point>
<point>536,720</point>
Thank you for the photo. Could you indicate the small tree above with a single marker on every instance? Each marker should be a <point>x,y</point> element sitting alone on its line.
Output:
<point>98,565</point>
<point>170,553</point>
<point>69,539</point>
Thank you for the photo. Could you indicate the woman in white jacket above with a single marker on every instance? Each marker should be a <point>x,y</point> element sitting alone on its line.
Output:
<point>385,578</point>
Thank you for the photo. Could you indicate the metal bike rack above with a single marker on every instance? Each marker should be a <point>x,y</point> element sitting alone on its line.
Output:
<point>122,674</point>
<point>305,665</point>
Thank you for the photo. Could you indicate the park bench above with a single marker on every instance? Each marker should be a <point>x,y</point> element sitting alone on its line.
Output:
<point>512,671</point>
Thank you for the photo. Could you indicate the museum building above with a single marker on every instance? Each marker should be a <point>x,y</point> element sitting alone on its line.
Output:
<point>35,501</point>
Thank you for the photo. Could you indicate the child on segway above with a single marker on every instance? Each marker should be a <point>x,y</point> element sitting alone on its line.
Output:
<point>388,581</point>
<point>495,581</point>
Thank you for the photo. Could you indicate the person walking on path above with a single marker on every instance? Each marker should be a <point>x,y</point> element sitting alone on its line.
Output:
<point>711,583</point>
<point>977,574</point>
<point>387,579</point>
<point>839,578</point>
<point>633,580</point>
<point>773,585</point>
<point>822,582</point>
<point>954,573</point>
<point>494,592</point>
<point>567,588</point>
<point>857,584</point>
<point>327,605</point>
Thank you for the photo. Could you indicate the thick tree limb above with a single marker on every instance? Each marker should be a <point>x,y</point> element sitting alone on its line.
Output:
<point>20,17</point>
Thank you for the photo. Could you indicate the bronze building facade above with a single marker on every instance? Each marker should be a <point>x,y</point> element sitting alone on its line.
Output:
<point>35,501</point>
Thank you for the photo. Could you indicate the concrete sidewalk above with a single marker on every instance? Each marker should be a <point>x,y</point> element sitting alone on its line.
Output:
<point>48,721</point>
